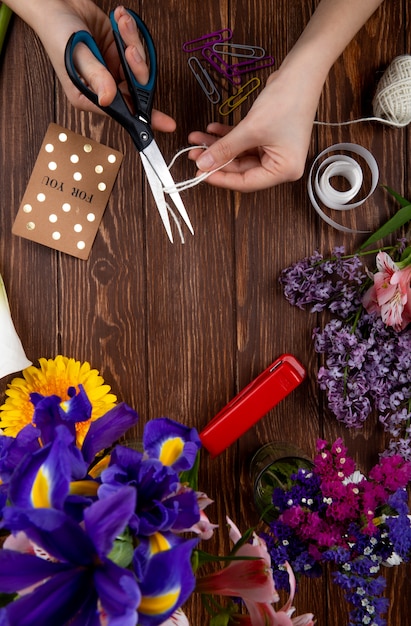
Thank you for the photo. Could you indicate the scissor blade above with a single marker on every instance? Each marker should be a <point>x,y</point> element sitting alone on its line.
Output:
<point>156,159</point>
<point>157,191</point>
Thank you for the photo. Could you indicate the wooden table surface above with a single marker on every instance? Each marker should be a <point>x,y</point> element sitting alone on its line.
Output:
<point>177,329</point>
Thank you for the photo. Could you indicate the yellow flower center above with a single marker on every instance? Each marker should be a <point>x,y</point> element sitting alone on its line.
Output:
<point>158,543</point>
<point>157,605</point>
<point>171,450</point>
<point>40,492</point>
<point>84,488</point>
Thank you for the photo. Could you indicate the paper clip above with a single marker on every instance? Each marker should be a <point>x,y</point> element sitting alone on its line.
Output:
<point>207,40</point>
<point>234,101</point>
<point>218,63</point>
<point>244,67</point>
<point>204,80</point>
<point>241,51</point>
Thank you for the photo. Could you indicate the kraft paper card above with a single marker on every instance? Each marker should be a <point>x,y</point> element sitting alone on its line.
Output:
<point>67,193</point>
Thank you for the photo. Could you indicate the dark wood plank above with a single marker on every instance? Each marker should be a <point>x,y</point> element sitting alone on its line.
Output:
<point>179,329</point>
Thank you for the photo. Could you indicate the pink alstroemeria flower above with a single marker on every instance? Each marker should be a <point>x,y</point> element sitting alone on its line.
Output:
<point>390,295</point>
<point>283,616</point>
<point>203,528</point>
<point>252,580</point>
<point>178,618</point>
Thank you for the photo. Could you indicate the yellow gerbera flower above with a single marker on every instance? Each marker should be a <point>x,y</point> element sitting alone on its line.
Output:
<point>54,377</point>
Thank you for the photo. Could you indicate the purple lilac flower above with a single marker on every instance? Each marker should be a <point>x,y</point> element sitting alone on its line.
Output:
<point>367,368</point>
<point>368,365</point>
<point>318,282</point>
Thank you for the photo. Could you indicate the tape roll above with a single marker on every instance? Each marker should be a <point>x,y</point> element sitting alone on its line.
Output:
<point>319,185</point>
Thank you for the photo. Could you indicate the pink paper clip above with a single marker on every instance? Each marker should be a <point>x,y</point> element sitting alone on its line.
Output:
<point>238,98</point>
<point>243,67</point>
<point>218,63</point>
<point>207,40</point>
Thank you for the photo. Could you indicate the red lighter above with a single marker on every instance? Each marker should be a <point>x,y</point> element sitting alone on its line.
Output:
<point>252,403</point>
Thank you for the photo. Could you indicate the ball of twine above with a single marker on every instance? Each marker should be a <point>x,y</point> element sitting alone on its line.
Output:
<point>392,100</point>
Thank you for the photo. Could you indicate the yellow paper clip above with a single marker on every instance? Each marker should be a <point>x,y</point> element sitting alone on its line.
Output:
<point>238,98</point>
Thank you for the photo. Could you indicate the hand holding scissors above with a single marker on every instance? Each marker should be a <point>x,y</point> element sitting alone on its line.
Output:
<point>138,123</point>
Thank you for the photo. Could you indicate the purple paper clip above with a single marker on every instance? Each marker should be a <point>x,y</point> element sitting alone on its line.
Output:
<point>239,50</point>
<point>218,63</point>
<point>207,40</point>
<point>243,67</point>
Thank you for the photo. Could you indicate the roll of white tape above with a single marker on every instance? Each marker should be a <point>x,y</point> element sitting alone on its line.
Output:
<point>321,190</point>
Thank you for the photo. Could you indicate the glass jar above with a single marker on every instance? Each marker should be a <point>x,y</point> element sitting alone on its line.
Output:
<point>272,466</point>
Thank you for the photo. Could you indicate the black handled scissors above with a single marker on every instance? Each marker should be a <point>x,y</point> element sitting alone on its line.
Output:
<point>137,124</point>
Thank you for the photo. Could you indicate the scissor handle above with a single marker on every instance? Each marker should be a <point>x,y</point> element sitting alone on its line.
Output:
<point>142,94</point>
<point>81,36</point>
<point>139,128</point>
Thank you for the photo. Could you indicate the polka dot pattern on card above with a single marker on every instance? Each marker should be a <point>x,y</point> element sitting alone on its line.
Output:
<point>68,191</point>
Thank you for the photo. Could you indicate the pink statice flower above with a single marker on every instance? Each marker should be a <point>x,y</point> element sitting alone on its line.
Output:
<point>333,514</point>
<point>390,294</point>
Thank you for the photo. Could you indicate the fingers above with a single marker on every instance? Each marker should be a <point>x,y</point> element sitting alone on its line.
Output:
<point>135,53</point>
<point>229,143</point>
<point>162,122</point>
<point>96,75</point>
<point>137,60</point>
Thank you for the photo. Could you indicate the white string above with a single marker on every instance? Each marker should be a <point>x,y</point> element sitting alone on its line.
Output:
<point>191,182</point>
<point>361,119</point>
<point>392,101</point>
<point>174,216</point>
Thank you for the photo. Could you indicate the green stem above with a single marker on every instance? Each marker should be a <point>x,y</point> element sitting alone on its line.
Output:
<point>5,17</point>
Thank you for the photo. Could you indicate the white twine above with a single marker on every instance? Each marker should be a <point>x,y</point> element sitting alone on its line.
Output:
<point>186,184</point>
<point>191,182</point>
<point>320,189</point>
<point>392,101</point>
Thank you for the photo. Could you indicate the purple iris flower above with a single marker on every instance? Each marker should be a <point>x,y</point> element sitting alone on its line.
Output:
<point>160,504</point>
<point>162,594</point>
<point>102,433</point>
<point>80,582</point>
<point>172,443</point>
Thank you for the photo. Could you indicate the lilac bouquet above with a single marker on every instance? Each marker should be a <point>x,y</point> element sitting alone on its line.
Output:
<point>97,533</point>
<point>333,514</point>
<point>367,342</point>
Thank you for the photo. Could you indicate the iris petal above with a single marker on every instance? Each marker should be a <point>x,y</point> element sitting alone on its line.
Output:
<point>107,429</point>
<point>51,532</point>
<point>55,601</point>
<point>159,593</point>
<point>117,589</point>
<point>106,518</point>
<point>18,571</point>
<point>47,416</point>
<point>13,449</point>
<point>42,479</point>
<point>172,443</point>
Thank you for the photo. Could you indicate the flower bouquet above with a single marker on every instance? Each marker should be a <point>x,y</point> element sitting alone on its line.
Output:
<point>367,343</point>
<point>333,514</point>
<point>101,534</point>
